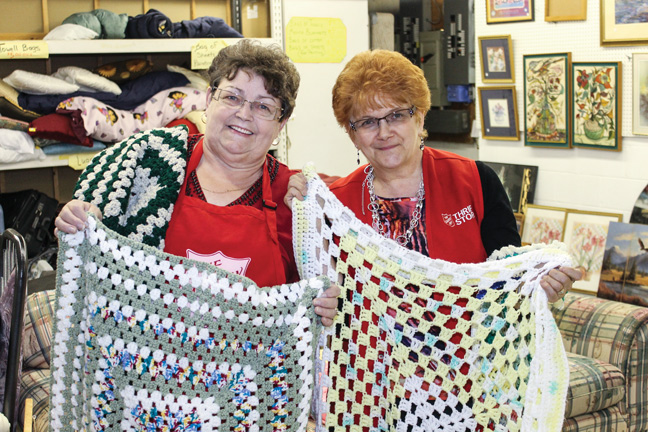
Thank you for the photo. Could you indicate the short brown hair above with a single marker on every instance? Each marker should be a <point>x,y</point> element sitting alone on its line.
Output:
<point>270,62</point>
<point>375,74</point>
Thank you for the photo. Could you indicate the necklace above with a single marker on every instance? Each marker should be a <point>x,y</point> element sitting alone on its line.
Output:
<point>374,206</point>
<point>225,191</point>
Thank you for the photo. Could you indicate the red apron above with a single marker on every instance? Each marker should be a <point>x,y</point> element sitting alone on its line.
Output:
<point>240,238</point>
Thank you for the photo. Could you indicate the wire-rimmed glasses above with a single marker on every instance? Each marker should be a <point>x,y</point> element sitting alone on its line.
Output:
<point>261,110</point>
<point>372,124</point>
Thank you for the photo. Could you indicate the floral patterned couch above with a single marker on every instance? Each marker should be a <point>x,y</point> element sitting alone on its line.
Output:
<point>607,345</point>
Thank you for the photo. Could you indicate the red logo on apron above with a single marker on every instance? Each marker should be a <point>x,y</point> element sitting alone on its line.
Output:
<point>220,260</point>
<point>447,218</point>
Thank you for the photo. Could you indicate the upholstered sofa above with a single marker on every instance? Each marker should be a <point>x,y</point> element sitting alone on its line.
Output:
<point>607,345</point>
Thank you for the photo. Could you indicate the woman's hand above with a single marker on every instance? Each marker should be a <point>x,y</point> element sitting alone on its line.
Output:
<point>558,281</point>
<point>297,188</point>
<point>73,217</point>
<point>326,306</point>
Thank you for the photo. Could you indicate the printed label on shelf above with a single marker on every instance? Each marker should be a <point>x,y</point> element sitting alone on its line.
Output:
<point>23,49</point>
<point>78,161</point>
<point>204,52</point>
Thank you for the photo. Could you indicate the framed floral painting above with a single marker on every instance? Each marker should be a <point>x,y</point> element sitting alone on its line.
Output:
<point>499,117</point>
<point>543,224</point>
<point>504,11</point>
<point>596,111</point>
<point>640,93</point>
<point>547,100</point>
<point>585,235</point>
<point>496,54</point>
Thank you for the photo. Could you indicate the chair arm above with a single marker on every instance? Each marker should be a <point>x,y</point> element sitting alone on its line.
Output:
<point>615,333</point>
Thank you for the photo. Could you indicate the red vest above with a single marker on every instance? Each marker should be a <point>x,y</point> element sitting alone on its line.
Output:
<point>454,205</point>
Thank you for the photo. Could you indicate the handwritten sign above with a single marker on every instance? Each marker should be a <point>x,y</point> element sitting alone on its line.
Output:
<point>316,40</point>
<point>23,49</point>
<point>204,52</point>
<point>78,161</point>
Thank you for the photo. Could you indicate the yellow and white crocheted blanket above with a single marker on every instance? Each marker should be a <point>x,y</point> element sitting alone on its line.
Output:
<point>427,343</point>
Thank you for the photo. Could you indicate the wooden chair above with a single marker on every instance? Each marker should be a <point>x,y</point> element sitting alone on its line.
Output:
<point>13,292</point>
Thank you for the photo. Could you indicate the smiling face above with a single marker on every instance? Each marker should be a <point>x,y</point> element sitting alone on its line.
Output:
<point>392,147</point>
<point>233,135</point>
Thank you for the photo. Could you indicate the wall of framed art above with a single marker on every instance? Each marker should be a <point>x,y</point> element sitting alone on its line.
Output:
<point>594,172</point>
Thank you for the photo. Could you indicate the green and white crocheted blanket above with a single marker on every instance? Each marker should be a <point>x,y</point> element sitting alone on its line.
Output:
<point>429,345</point>
<point>146,341</point>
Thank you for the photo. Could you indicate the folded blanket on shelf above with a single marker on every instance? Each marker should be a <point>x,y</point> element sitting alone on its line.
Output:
<point>204,27</point>
<point>107,24</point>
<point>152,24</point>
<point>146,341</point>
<point>427,343</point>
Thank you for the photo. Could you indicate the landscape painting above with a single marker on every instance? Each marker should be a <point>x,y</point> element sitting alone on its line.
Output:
<point>624,273</point>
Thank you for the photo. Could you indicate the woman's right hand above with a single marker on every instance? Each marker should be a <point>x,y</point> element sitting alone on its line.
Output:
<point>297,188</point>
<point>73,217</point>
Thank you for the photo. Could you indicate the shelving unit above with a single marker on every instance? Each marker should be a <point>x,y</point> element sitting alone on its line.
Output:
<point>90,53</point>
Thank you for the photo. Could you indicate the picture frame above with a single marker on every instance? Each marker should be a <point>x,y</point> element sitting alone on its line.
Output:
<point>499,116</point>
<point>547,95</point>
<point>565,10</point>
<point>519,220</point>
<point>543,224</point>
<point>640,93</point>
<point>585,234</point>
<point>506,11</point>
<point>519,182</point>
<point>496,59</point>
<point>623,272</point>
<point>623,23</point>
<point>596,110</point>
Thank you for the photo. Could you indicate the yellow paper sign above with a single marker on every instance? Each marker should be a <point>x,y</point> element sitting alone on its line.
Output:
<point>204,52</point>
<point>316,40</point>
<point>78,161</point>
<point>23,49</point>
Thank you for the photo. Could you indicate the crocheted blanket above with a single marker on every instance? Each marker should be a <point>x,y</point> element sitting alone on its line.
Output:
<point>146,341</point>
<point>426,343</point>
<point>136,182</point>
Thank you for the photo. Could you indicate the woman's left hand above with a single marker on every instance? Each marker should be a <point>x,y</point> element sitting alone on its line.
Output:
<point>326,305</point>
<point>558,281</point>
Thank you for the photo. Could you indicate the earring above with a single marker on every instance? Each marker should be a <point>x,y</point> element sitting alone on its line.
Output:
<point>358,150</point>
<point>422,143</point>
<point>203,117</point>
<point>275,142</point>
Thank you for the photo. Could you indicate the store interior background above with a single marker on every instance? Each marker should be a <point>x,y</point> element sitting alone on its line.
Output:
<point>577,178</point>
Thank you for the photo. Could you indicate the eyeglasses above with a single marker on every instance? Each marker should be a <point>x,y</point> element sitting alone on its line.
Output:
<point>372,124</point>
<point>259,110</point>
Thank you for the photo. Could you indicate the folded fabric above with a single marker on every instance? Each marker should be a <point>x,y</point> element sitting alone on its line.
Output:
<point>147,341</point>
<point>122,71</point>
<point>87,80</point>
<point>152,24</point>
<point>61,148</point>
<point>107,124</point>
<point>196,80</point>
<point>35,83</point>
<point>134,93</point>
<point>204,27</point>
<point>65,126</point>
<point>184,122</point>
<point>16,141</point>
<point>71,32</point>
<point>9,106</point>
<point>13,124</point>
<point>107,24</point>
<point>429,344</point>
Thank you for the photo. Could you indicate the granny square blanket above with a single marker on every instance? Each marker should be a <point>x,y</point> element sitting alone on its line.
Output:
<point>428,345</point>
<point>146,341</point>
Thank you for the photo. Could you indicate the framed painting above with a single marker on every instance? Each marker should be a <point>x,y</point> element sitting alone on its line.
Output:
<point>585,234</point>
<point>543,224</point>
<point>624,22</point>
<point>496,54</point>
<point>519,182</point>
<point>640,93</point>
<point>565,10</point>
<point>596,110</point>
<point>519,220</point>
<point>546,100</point>
<point>640,210</point>
<point>624,272</point>
<point>499,118</point>
<point>505,11</point>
